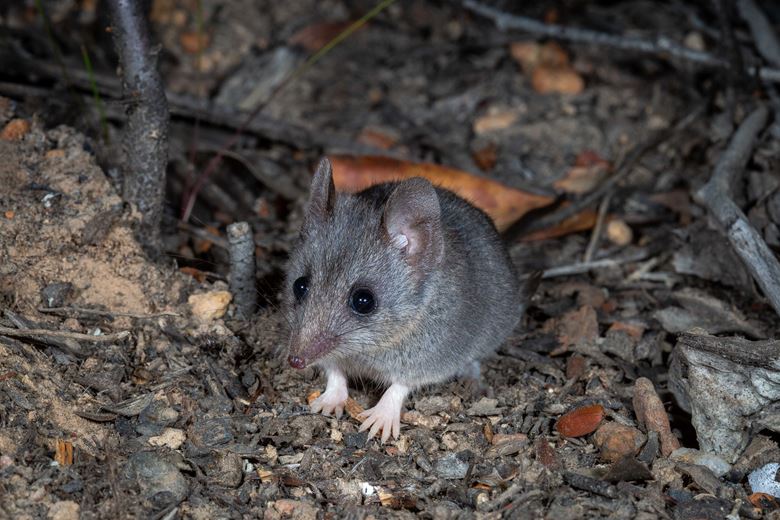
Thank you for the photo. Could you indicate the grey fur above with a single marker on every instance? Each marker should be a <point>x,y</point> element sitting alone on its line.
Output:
<point>432,322</point>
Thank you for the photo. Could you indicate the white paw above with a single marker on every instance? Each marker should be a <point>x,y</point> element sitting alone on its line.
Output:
<point>331,402</point>
<point>386,415</point>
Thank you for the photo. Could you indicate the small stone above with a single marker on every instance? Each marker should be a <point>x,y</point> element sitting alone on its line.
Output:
<point>295,509</point>
<point>763,480</point>
<point>451,467</point>
<point>15,130</point>
<point>650,449</point>
<point>209,306</point>
<point>173,438</point>
<point>64,510</point>
<point>159,479</point>
<point>55,294</point>
<point>717,465</point>
<point>416,418</point>
<point>485,406</point>
<point>617,441</point>
<point>431,405</point>
<point>628,469</point>
<point>619,233</point>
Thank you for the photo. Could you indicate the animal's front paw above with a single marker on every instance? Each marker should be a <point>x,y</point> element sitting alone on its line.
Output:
<point>386,415</point>
<point>331,402</point>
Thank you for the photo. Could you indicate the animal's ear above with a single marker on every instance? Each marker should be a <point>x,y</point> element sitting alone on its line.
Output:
<point>412,220</point>
<point>322,194</point>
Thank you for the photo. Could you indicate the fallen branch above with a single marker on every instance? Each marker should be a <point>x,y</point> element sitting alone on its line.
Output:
<point>42,335</point>
<point>145,140</point>
<point>80,311</point>
<point>766,40</point>
<point>242,268</point>
<point>660,47</point>
<point>716,196</point>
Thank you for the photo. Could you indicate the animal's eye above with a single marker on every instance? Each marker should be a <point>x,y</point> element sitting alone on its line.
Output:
<point>362,301</point>
<point>300,287</point>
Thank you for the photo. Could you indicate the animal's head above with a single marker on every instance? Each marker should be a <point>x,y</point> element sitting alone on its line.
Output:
<point>356,280</point>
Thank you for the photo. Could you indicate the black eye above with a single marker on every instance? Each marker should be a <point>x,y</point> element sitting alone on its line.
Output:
<point>301,287</point>
<point>362,301</point>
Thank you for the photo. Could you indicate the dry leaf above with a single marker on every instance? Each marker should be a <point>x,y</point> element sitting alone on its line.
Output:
<point>632,329</point>
<point>575,366</point>
<point>764,501</point>
<point>574,224</point>
<point>546,80</point>
<point>545,453</point>
<point>377,138</point>
<point>574,327</point>
<point>194,42</point>
<point>503,204</point>
<point>314,37</point>
<point>580,421</point>
<point>486,157</point>
<point>588,171</point>
<point>493,122</point>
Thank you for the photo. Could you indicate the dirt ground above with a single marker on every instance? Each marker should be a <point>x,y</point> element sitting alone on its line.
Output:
<point>134,392</point>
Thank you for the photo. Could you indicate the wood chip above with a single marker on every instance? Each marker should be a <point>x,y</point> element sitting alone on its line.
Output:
<point>651,414</point>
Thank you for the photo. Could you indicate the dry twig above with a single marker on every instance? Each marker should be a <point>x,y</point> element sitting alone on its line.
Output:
<point>716,196</point>
<point>242,268</point>
<point>42,335</point>
<point>766,40</point>
<point>660,47</point>
<point>146,136</point>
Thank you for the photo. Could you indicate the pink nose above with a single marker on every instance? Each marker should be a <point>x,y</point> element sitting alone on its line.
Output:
<point>296,362</point>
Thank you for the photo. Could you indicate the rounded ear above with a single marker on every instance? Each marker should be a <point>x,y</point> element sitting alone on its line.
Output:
<point>322,194</point>
<point>412,220</point>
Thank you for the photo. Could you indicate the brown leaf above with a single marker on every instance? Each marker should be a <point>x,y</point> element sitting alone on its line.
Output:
<point>377,138</point>
<point>547,79</point>
<point>503,204</point>
<point>763,501</point>
<point>486,157</point>
<point>575,366</point>
<point>494,121</point>
<point>574,224</point>
<point>574,327</point>
<point>194,42</point>
<point>545,453</point>
<point>580,421</point>
<point>313,37</point>
<point>588,171</point>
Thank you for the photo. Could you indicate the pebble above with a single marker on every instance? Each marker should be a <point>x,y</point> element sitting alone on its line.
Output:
<point>717,465</point>
<point>762,480</point>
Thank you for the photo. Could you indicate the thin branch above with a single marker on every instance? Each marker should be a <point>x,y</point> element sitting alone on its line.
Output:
<point>242,268</point>
<point>659,47</point>
<point>763,34</point>
<point>43,334</point>
<point>716,195</point>
<point>597,229</point>
<point>80,311</point>
<point>146,134</point>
